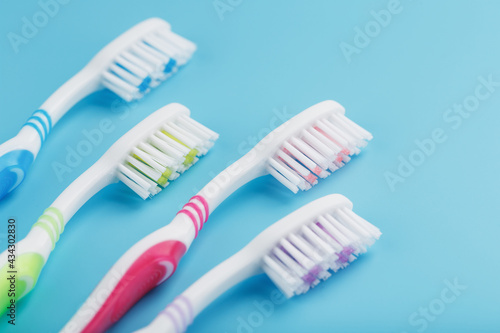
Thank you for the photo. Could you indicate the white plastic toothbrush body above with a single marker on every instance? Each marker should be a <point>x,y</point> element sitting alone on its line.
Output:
<point>155,257</point>
<point>120,163</point>
<point>253,259</point>
<point>128,66</point>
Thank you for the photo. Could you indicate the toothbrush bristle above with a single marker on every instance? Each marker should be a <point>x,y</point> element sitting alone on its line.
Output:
<point>146,63</point>
<point>166,153</point>
<point>328,243</point>
<point>316,151</point>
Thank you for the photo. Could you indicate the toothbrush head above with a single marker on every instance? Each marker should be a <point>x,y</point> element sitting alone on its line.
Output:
<point>132,64</point>
<point>158,149</point>
<point>304,248</point>
<point>311,145</point>
<point>141,58</point>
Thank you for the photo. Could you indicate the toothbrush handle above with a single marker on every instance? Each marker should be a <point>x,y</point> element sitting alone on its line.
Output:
<point>24,260</point>
<point>179,314</point>
<point>72,91</point>
<point>145,265</point>
<point>146,260</point>
<point>18,153</point>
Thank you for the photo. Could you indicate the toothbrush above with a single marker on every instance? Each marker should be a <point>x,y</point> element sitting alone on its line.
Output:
<point>296,253</point>
<point>310,145</point>
<point>130,66</point>
<point>145,159</point>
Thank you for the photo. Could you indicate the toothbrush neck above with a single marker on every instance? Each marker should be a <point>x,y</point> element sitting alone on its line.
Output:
<point>79,86</point>
<point>197,211</point>
<point>83,188</point>
<point>221,278</point>
<point>232,178</point>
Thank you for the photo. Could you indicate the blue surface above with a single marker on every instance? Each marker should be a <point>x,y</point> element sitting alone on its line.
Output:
<point>440,224</point>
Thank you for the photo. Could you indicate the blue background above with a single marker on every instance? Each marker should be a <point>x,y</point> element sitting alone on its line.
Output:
<point>440,224</point>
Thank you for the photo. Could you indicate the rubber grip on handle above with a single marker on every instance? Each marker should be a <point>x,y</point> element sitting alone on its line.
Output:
<point>13,167</point>
<point>153,267</point>
<point>16,281</point>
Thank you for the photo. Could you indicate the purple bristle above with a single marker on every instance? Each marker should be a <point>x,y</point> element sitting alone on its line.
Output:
<point>309,279</point>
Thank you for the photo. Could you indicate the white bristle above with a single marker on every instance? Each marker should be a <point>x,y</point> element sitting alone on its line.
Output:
<point>306,161</point>
<point>139,62</point>
<point>327,243</point>
<point>131,67</point>
<point>302,245</point>
<point>332,229</point>
<point>310,152</point>
<point>136,177</point>
<point>318,146</point>
<point>289,262</point>
<point>348,222</point>
<point>329,129</point>
<point>124,88</point>
<point>180,41</point>
<point>152,163</point>
<point>283,180</point>
<point>158,156</point>
<point>153,53</point>
<point>284,171</point>
<point>188,125</point>
<point>147,170</point>
<point>301,182</point>
<point>150,56</point>
<point>278,272</point>
<point>125,75</point>
<point>147,62</point>
<point>134,186</point>
<point>186,137</point>
<point>328,251</point>
<point>301,258</point>
<point>161,45</point>
<point>326,144</point>
<point>172,143</point>
<point>207,131</point>
<point>297,167</point>
<point>163,146</point>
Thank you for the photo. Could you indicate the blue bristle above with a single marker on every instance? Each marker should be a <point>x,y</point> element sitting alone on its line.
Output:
<point>145,84</point>
<point>170,65</point>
